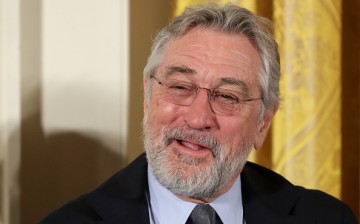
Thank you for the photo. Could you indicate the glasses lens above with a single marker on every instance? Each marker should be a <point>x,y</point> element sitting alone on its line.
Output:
<point>179,92</point>
<point>222,101</point>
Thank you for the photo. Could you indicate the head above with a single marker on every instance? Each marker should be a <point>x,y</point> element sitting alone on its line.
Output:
<point>197,150</point>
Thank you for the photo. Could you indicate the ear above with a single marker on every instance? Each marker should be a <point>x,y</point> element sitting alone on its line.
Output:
<point>263,127</point>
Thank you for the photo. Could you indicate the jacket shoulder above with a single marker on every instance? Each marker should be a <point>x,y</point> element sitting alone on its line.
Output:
<point>76,211</point>
<point>267,189</point>
<point>328,209</point>
<point>124,189</point>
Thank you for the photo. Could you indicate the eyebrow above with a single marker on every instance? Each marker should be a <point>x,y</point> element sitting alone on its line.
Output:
<point>179,69</point>
<point>232,81</point>
<point>182,69</point>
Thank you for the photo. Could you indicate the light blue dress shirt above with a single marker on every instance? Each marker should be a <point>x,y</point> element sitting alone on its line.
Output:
<point>165,207</point>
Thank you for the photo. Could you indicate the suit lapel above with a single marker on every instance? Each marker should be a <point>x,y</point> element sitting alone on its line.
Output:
<point>268,197</point>
<point>122,199</point>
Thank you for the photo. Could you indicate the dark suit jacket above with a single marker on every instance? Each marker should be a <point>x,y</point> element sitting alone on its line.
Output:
<point>267,198</point>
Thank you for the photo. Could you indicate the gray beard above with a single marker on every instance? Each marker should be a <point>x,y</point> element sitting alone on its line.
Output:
<point>182,176</point>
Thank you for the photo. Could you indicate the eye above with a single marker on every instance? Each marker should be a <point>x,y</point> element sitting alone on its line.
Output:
<point>180,87</point>
<point>178,84</point>
<point>226,96</point>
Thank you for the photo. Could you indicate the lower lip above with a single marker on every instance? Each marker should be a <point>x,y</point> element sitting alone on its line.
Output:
<point>192,152</point>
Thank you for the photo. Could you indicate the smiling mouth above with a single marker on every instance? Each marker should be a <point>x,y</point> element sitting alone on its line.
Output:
<point>192,142</point>
<point>194,149</point>
<point>192,145</point>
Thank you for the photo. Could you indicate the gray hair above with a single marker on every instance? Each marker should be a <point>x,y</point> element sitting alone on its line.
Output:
<point>230,19</point>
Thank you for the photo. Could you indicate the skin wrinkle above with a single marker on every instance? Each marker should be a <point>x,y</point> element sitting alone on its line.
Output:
<point>182,69</point>
<point>179,70</point>
<point>202,175</point>
<point>241,84</point>
<point>217,56</point>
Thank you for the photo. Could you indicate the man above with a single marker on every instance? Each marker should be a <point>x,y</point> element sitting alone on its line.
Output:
<point>211,91</point>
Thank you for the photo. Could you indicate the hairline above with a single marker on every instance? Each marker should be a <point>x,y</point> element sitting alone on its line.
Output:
<point>253,31</point>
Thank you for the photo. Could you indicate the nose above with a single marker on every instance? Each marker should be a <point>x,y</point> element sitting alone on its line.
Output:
<point>199,114</point>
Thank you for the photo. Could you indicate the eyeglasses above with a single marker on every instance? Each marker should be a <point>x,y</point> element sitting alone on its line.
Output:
<point>222,101</point>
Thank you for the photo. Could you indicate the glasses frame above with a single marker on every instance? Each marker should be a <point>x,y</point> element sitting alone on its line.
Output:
<point>210,93</point>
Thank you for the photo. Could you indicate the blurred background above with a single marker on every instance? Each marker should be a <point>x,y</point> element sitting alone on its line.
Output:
<point>71,95</point>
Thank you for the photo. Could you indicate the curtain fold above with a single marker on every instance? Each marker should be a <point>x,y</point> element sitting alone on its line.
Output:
<point>306,130</point>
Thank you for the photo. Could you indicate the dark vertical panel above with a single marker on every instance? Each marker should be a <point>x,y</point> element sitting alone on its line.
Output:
<point>264,8</point>
<point>146,18</point>
<point>350,103</point>
<point>32,137</point>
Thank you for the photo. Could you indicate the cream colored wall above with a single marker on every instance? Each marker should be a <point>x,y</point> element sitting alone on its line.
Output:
<point>85,70</point>
<point>64,86</point>
<point>10,117</point>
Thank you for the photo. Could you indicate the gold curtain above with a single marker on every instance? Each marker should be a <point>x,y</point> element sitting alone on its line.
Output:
<point>306,130</point>
<point>307,140</point>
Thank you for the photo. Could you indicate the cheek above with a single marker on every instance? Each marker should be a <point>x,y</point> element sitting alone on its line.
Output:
<point>162,113</point>
<point>234,132</point>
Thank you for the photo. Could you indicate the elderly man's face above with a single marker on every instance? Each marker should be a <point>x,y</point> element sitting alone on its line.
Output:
<point>198,150</point>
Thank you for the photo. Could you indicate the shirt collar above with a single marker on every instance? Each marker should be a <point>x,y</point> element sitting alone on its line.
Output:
<point>165,207</point>
<point>229,205</point>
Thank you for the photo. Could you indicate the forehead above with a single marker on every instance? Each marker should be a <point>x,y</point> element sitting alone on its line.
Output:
<point>213,54</point>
